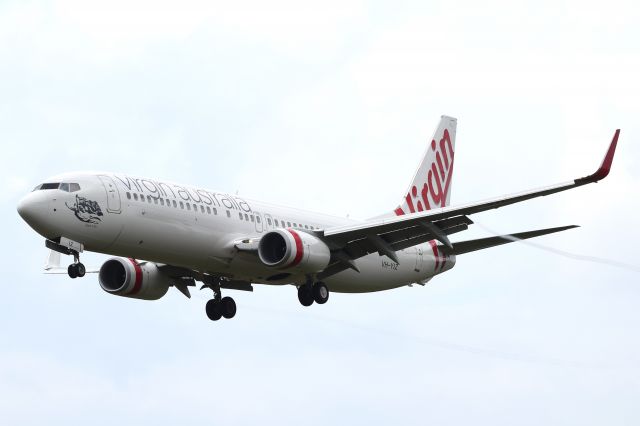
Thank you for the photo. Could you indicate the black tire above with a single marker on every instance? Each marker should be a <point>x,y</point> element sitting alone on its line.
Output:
<point>81,270</point>
<point>229,308</point>
<point>72,271</point>
<point>320,293</point>
<point>213,310</point>
<point>305,295</point>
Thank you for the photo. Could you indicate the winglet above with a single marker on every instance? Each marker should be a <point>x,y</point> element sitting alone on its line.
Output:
<point>605,167</point>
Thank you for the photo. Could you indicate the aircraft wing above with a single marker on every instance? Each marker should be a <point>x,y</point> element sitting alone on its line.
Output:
<point>386,235</point>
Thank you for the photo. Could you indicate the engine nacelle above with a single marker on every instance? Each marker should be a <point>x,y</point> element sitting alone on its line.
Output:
<point>126,277</point>
<point>291,249</point>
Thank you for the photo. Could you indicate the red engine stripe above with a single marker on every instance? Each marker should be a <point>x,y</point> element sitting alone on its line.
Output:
<point>434,247</point>
<point>138,283</point>
<point>299,248</point>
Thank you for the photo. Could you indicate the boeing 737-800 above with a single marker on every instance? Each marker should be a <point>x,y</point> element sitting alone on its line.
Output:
<point>165,234</point>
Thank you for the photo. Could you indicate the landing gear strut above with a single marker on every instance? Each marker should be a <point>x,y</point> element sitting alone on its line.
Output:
<point>309,293</point>
<point>219,306</point>
<point>76,269</point>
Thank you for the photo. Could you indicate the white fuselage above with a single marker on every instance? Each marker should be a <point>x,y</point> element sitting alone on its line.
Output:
<point>198,229</point>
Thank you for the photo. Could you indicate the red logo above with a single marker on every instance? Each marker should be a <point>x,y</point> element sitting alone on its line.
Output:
<point>437,180</point>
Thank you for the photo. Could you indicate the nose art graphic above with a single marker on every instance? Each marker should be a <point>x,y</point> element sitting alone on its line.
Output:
<point>86,210</point>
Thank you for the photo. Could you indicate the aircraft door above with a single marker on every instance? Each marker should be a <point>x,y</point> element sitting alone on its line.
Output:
<point>113,194</point>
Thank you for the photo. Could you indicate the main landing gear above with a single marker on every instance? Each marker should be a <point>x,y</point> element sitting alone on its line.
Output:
<point>76,269</point>
<point>219,306</point>
<point>309,293</point>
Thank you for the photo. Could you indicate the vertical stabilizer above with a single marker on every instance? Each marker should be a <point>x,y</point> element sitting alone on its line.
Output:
<point>431,184</point>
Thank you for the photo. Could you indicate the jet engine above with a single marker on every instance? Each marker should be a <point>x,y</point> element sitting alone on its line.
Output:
<point>128,278</point>
<point>292,249</point>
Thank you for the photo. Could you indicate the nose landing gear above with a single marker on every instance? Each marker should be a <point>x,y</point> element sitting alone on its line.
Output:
<point>68,247</point>
<point>76,269</point>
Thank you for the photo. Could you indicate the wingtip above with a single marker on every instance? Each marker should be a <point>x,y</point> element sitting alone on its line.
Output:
<point>605,166</point>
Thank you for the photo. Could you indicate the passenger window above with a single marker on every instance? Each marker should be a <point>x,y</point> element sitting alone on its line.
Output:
<point>289,224</point>
<point>208,210</point>
<point>269,221</point>
<point>228,213</point>
<point>195,208</point>
<point>188,206</point>
<point>135,196</point>
<point>181,205</point>
<point>251,217</point>
<point>202,209</point>
<point>149,198</point>
<point>275,221</point>
<point>240,214</point>
<point>162,201</point>
<point>175,204</point>
<point>215,211</point>
<point>155,200</point>
<point>128,195</point>
<point>246,217</point>
<point>258,219</point>
<point>168,202</point>
<point>306,227</point>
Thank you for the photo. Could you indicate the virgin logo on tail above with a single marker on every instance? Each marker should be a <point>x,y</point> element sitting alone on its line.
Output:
<point>437,179</point>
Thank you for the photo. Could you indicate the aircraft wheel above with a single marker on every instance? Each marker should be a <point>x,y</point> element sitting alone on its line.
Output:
<point>214,310</point>
<point>72,270</point>
<point>81,270</point>
<point>305,295</point>
<point>228,307</point>
<point>320,293</point>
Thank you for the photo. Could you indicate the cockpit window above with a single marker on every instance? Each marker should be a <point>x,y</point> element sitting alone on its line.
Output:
<point>67,187</point>
<point>49,186</point>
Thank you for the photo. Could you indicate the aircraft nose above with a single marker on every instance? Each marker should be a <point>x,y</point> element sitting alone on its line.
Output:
<point>26,209</point>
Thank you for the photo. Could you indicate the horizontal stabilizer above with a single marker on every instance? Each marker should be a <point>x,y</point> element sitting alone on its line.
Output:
<point>484,243</point>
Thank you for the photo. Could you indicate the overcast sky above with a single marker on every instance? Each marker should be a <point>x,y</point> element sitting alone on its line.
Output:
<point>328,107</point>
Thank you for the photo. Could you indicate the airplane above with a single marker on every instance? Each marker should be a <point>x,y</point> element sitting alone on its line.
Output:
<point>187,234</point>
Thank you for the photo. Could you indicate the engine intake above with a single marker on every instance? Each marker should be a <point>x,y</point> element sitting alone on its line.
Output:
<point>292,249</point>
<point>128,278</point>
